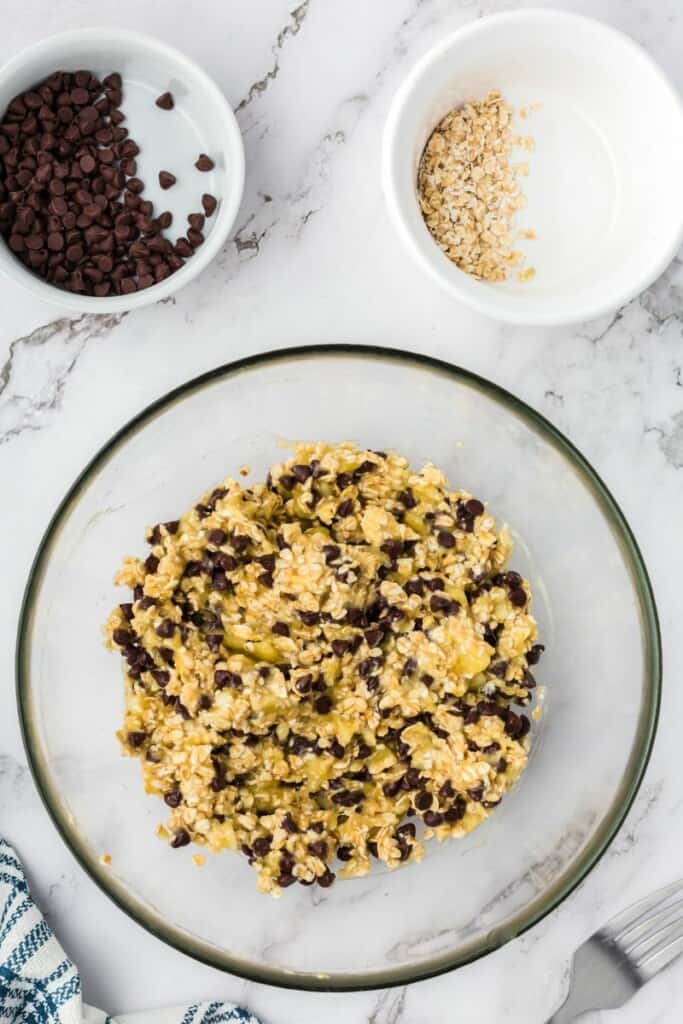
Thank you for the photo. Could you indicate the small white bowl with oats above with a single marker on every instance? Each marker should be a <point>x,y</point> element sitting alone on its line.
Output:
<point>568,211</point>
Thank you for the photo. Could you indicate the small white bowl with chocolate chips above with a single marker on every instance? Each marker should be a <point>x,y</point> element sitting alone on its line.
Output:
<point>121,170</point>
<point>532,166</point>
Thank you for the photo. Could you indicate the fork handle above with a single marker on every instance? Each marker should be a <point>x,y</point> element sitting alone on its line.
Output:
<point>564,1014</point>
<point>574,1005</point>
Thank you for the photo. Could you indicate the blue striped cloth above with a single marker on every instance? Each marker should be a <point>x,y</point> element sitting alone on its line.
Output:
<point>40,985</point>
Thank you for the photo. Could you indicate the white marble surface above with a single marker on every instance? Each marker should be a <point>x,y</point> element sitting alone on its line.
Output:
<point>314,259</point>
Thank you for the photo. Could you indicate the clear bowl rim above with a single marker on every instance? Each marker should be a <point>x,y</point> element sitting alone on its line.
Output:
<point>542,905</point>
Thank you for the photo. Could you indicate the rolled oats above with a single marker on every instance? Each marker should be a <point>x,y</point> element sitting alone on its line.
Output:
<point>468,190</point>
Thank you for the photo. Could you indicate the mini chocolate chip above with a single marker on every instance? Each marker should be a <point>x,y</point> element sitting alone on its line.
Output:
<point>267,561</point>
<point>262,846</point>
<point>183,248</point>
<point>123,637</point>
<point>218,560</point>
<point>280,628</point>
<point>356,617</point>
<point>445,539</point>
<point>476,792</point>
<point>533,656</point>
<point>436,583</point>
<point>411,779</point>
<point>456,812</point>
<point>318,848</point>
<point>433,819</point>
<point>407,498</point>
<point>392,548</point>
<point>166,628</point>
<point>513,724</point>
<point>309,618</point>
<point>217,537</point>
<point>303,683</point>
<point>209,203</point>
<point>173,798</point>
<point>528,680</point>
<point>181,838</point>
<point>287,861</point>
<point>406,830</point>
<point>323,705</point>
<point>266,579</point>
<point>166,179</point>
<point>219,581</point>
<point>288,481</point>
<point>373,637</point>
<point>345,508</point>
<point>348,797</point>
<point>165,101</point>
<point>326,879</point>
<point>511,579</point>
<point>301,472</point>
<point>367,666</point>
<point>331,553</point>
<point>204,163</point>
<point>344,853</point>
<point>474,507</point>
<point>222,677</point>
<point>289,825</point>
<point>423,800</point>
<point>518,597</point>
<point>136,739</point>
<point>167,654</point>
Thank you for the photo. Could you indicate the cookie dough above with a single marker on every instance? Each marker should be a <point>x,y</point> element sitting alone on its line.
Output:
<point>327,667</point>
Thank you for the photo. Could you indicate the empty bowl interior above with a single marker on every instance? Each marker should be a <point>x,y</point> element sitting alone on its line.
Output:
<point>169,140</point>
<point>591,599</point>
<point>602,190</point>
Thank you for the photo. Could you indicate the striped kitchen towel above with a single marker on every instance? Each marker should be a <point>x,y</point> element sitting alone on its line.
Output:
<point>40,985</point>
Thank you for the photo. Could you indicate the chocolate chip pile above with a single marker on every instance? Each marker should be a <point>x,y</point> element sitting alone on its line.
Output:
<point>71,206</point>
<point>315,660</point>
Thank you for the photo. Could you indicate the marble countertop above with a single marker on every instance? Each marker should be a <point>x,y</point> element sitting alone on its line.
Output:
<point>314,259</point>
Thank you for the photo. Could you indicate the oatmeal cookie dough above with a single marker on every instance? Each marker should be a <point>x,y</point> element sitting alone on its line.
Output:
<point>320,668</point>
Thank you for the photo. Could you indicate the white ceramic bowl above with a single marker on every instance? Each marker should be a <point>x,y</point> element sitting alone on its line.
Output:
<point>201,122</point>
<point>604,192</point>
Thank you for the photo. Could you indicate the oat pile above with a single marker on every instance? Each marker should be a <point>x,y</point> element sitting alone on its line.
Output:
<point>321,669</point>
<point>469,191</point>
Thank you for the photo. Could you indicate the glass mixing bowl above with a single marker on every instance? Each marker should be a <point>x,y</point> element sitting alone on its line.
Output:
<point>594,607</point>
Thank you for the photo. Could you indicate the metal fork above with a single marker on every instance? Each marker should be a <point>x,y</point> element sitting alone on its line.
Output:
<point>625,954</point>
